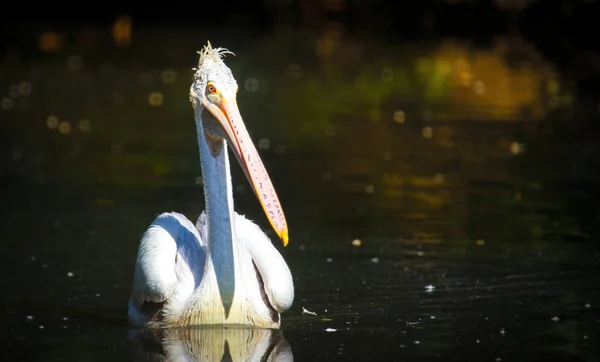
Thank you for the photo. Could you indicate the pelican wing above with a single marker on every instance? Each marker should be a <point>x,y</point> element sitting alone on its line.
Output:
<point>276,275</point>
<point>169,266</point>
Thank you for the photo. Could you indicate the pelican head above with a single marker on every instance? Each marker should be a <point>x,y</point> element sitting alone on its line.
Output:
<point>213,95</point>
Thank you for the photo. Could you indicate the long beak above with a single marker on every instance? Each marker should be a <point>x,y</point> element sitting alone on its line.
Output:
<point>228,115</point>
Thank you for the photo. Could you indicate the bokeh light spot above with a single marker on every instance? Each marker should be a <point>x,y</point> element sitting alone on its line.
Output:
<point>155,99</point>
<point>251,84</point>
<point>399,116</point>
<point>169,76</point>
<point>6,104</point>
<point>64,127</point>
<point>52,122</point>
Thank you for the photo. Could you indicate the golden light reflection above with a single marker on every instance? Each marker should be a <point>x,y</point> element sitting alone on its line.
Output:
<point>121,31</point>
<point>427,132</point>
<point>64,127</point>
<point>51,42</point>
<point>464,78</point>
<point>517,148</point>
<point>52,122</point>
<point>399,116</point>
<point>155,99</point>
<point>479,87</point>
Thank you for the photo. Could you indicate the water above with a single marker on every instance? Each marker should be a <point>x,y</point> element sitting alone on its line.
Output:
<point>432,216</point>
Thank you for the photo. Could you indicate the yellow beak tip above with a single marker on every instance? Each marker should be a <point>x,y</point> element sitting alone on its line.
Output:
<point>284,237</point>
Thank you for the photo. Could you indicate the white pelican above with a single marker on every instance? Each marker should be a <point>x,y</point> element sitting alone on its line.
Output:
<point>223,270</point>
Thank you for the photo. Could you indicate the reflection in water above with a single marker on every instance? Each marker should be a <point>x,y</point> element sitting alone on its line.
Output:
<point>210,344</point>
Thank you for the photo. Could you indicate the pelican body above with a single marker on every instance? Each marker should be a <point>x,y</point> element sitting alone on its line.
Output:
<point>222,270</point>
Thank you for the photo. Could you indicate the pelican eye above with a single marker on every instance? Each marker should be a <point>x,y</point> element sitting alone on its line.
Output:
<point>211,88</point>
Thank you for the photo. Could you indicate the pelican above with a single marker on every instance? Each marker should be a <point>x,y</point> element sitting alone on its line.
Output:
<point>223,270</point>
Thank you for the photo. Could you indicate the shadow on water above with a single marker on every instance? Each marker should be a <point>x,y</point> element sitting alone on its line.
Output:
<point>440,203</point>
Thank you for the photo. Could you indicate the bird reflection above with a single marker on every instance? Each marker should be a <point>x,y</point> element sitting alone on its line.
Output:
<point>210,344</point>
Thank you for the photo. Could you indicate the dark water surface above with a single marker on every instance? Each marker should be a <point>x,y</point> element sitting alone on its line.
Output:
<point>441,199</point>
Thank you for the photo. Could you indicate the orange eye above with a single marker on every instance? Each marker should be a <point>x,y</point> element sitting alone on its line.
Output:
<point>211,88</point>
